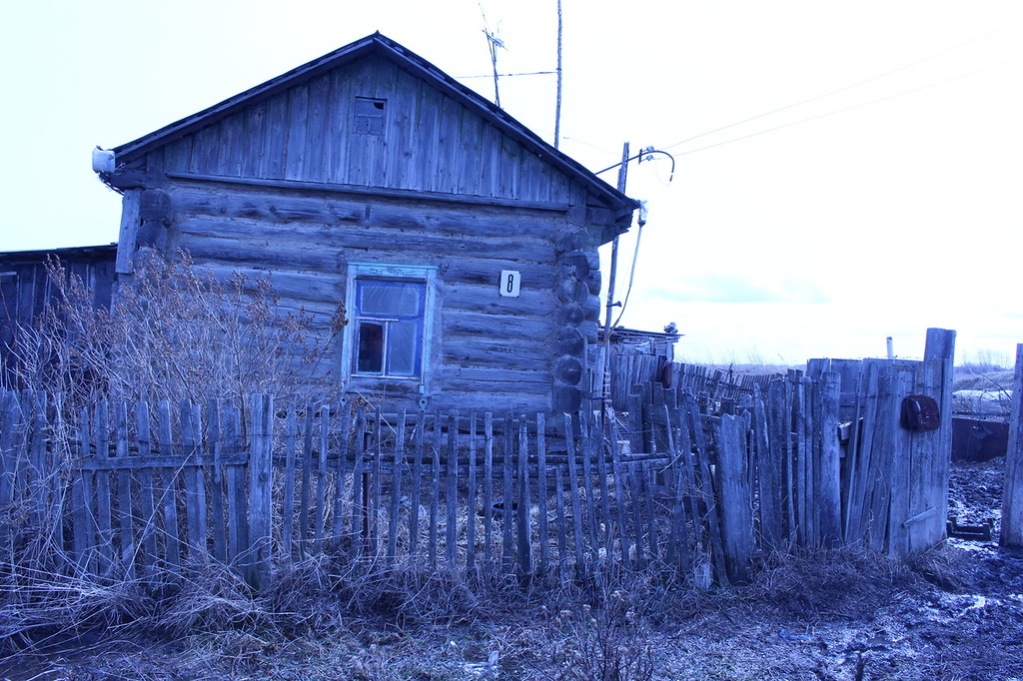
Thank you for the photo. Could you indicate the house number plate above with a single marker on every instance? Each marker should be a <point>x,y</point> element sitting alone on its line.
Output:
<point>510,280</point>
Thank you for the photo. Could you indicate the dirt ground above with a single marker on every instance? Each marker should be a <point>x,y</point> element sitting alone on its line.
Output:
<point>953,613</point>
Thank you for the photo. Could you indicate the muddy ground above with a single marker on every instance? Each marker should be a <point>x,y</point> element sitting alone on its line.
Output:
<point>953,613</point>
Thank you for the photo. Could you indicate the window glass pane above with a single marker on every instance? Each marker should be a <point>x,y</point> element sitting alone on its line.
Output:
<point>403,349</point>
<point>390,298</point>
<point>370,351</point>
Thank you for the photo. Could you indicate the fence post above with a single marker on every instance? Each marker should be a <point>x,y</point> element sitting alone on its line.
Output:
<point>257,567</point>
<point>736,502</point>
<point>829,504</point>
<point>940,345</point>
<point>1012,492</point>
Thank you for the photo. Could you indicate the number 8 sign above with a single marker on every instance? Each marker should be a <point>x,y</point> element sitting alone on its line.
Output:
<point>509,286</point>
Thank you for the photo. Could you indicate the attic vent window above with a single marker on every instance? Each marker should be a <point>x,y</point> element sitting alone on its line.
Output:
<point>369,115</point>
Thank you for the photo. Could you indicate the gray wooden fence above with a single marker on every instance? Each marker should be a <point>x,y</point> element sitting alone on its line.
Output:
<point>815,460</point>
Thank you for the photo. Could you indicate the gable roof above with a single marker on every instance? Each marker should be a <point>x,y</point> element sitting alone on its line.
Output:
<point>379,45</point>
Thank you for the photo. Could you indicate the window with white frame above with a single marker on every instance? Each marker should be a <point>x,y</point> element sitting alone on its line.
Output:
<point>390,312</point>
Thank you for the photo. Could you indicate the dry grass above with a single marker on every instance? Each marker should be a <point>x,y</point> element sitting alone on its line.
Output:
<point>330,619</point>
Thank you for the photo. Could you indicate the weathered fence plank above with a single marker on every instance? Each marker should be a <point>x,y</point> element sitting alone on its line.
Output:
<point>1012,492</point>
<point>829,488</point>
<point>147,492</point>
<point>168,491</point>
<point>396,480</point>
<point>260,489</point>
<point>736,499</point>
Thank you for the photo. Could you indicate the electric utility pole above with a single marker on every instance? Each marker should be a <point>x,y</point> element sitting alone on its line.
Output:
<point>623,174</point>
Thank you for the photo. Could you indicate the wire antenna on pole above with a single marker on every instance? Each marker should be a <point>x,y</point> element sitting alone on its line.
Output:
<point>493,42</point>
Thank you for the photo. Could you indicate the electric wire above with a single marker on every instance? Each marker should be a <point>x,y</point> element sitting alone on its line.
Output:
<point>509,75</point>
<point>851,107</point>
<point>846,87</point>
<point>632,275</point>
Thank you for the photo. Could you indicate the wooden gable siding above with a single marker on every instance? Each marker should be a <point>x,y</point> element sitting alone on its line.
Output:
<point>431,143</point>
<point>487,349</point>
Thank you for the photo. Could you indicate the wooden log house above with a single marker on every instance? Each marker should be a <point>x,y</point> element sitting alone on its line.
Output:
<point>462,246</point>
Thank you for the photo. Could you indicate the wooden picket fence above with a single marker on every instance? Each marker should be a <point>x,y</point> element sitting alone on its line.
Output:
<point>818,459</point>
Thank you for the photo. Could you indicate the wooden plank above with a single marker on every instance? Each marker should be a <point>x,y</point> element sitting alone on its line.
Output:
<point>130,206</point>
<point>868,451</point>
<point>940,347</point>
<point>12,425</point>
<point>470,501</point>
<point>288,510</point>
<point>586,450</point>
<point>153,461</point>
<point>678,553</point>
<point>573,484</point>
<point>791,475</point>
<point>927,484</point>
<point>218,520</point>
<point>451,494</point>
<point>770,433</point>
<point>375,487</point>
<point>237,513</point>
<point>195,481</point>
<point>84,532</point>
<point>38,465</point>
<point>321,478</point>
<point>633,477</point>
<point>803,477</point>
<point>396,475</point>
<point>829,505</point>
<point>559,504</point>
<point>507,498</point>
<point>899,509</point>
<point>1012,489</point>
<point>649,487</point>
<point>619,483</point>
<point>104,503</point>
<point>705,483</point>
<point>488,486</point>
<point>525,505</point>
<point>542,489</point>
<point>168,492</point>
<point>417,481</point>
<point>438,427</point>
<point>147,492</point>
<point>305,506</point>
<point>342,463</point>
<point>125,507</point>
<point>298,113</point>
<point>814,443</point>
<point>358,484</point>
<point>597,446</point>
<point>701,562</point>
<point>260,489</point>
<point>736,501</point>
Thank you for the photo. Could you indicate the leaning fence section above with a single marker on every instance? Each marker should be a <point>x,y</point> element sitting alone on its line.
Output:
<point>819,458</point>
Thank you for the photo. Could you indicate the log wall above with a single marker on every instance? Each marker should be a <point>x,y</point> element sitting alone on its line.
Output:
<point>516,353</point>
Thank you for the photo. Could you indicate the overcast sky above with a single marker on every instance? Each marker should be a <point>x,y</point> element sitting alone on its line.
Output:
<point>845,171</point>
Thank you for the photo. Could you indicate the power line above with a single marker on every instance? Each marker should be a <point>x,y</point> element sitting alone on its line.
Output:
<point>509,75</point>
<point>836,91</point>
<point>849,108</point>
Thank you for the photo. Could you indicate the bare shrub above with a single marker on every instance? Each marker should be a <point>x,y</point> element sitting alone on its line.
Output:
<point>175,332</point>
